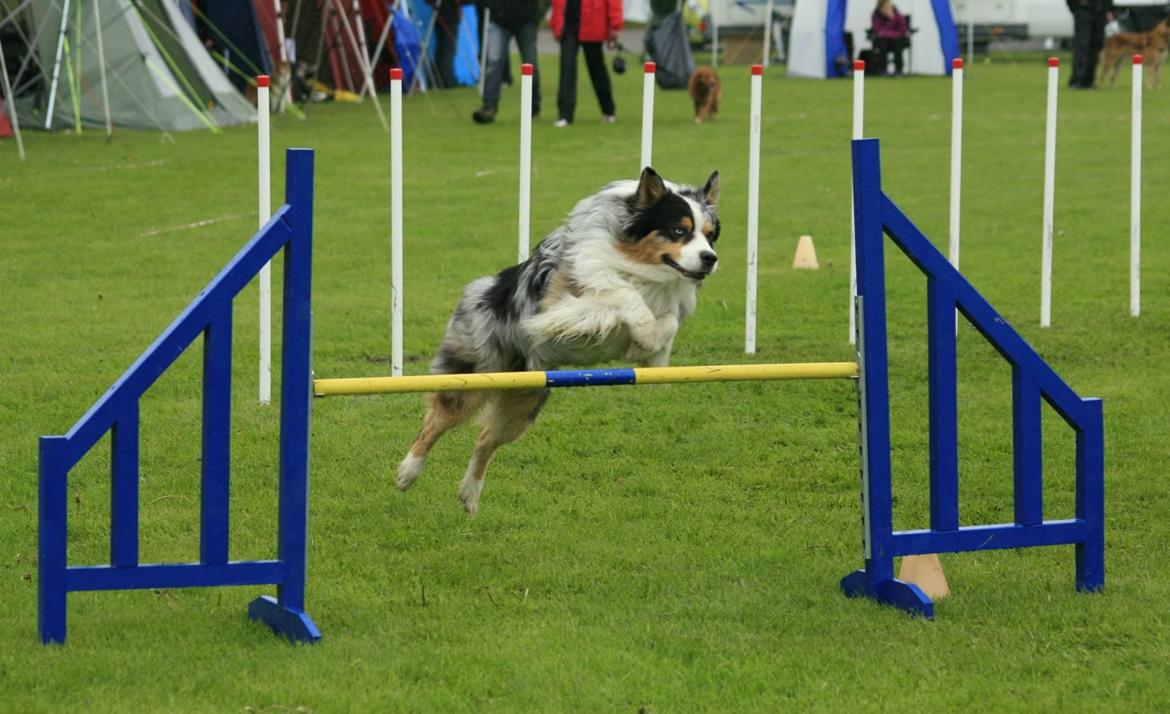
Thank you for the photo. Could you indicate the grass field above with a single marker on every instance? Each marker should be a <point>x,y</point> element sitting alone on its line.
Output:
<point>672,548</point>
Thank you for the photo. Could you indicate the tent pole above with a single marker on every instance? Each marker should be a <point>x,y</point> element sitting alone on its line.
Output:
<point>97,21</point>
<point>336,49</point>
<point>369,81</point>
<point>767,34</point>
<point>382,39</point>
<point>284,92</point>
<point>8,101</point>
<point>424,59</point>
<point>75,76</point>
<point>57,67</point>
<point>359,28</point>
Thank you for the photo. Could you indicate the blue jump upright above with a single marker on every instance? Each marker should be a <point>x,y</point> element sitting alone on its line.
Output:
<point>117,412</point>
<point>1032,380</point>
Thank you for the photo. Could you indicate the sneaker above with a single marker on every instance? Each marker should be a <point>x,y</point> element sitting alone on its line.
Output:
<point>608,118</point>
<point>484,115</point>
<point>561,123</point>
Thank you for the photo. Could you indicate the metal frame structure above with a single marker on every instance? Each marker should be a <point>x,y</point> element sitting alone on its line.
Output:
<point>291,230</point>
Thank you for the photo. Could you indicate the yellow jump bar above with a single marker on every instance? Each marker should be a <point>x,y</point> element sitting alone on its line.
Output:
<point>583,378</point>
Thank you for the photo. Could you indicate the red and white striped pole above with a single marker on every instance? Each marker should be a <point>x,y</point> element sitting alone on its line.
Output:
<point>1135,195</point>
<point>525,158</point>
<point>1049,194</point>
<point>264,212</point>
<point>647,112</point>
<point>396,222</point>
<point>858,131</point>
<point>753,220</point>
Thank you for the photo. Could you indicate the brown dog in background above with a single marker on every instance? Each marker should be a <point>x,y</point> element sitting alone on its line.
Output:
<point>706,90</point>
<point>1152,46</point>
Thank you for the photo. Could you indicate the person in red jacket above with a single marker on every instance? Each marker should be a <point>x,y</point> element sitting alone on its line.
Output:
<point>585,24</point>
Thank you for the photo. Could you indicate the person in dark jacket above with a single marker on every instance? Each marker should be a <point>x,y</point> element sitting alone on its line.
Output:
<point>509,18</point>
<point>585,24</point>
<point>1089,19</point>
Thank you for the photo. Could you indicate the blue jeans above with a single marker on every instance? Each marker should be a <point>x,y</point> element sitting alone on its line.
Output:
<point>497,60</point>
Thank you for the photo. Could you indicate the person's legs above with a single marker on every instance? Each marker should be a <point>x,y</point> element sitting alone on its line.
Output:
<point>1082,49</point>
<point>1096,42</point>
<point>899,49</point>
<point>567,87</point>
<point>446,33</point>
<point>497,59</point>
<point>595,61</point>
<point>526,40</point>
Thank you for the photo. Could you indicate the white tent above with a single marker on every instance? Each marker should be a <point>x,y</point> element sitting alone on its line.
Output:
<point>137,62</point>
<point>817,44</point>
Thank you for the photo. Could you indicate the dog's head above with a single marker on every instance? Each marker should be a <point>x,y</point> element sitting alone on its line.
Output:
<point>672,230</point>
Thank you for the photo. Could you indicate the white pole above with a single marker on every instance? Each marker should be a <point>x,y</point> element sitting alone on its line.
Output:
<point>956,162</point>
<point>647,112</point>
<point>1135,195</point>
<point>265,212</point>
<point>858,131</point>
<point>97,23</point>
<point>1049,194</point>
<point>359,28</point>
<point>767,33</point>
<point>396,222</point>
<point>363,62</point>
<point>487,19</point>
<point>10,106</point>
<point>753,220</point>
<point>57,67</point>
<point>525,157</point>
<point>956,154</point>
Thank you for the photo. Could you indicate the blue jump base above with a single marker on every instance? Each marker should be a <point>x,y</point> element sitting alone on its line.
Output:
<point>290,230</point>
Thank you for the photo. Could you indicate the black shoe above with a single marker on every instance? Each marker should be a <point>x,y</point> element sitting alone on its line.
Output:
<point>484,115</point>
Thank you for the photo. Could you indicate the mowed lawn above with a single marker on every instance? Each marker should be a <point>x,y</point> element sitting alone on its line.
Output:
<point>661,549</point>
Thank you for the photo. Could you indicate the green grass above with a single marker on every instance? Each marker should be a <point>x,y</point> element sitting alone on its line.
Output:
<point>672,548</point>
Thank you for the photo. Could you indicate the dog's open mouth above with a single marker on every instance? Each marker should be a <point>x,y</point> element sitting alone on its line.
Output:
<point>692,274</point>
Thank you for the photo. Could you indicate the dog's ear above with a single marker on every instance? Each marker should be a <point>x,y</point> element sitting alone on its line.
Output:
<point>650,188</point>
<point>711,189</point>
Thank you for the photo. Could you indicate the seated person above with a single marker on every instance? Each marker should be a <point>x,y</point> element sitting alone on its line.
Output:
<point>891,33</point>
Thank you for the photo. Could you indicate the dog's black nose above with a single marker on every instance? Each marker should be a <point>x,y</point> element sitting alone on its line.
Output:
<point>708,259</point>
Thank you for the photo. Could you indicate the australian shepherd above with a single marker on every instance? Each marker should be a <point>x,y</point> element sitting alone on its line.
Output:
<point>613,281</point>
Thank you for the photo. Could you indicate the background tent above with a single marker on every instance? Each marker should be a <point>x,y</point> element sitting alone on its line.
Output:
<point>235,30</point>
<point>157,73</point>
<point>817,45</point>
<point>466,46</point>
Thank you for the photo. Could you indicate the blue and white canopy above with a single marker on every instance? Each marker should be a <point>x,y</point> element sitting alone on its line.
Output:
<point>817,42</point>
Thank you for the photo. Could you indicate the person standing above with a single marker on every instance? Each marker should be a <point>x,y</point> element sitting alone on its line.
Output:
<point>1089,19</point>
<point>585,24</point>
<point>509,18</point>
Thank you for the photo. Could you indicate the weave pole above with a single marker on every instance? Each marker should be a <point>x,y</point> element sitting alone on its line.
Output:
<point>753,220</point>
<point>1049,194</point>
<point>396,222</point>
<point>858,130</point>
<point>525,159</point>
<point>264,210</point>
<point>1135,195</point>
<point>956,161</point>
<point>583,378</point>
<point>648,71</point>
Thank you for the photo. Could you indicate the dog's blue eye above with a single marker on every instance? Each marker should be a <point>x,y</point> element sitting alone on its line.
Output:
<point>680,232</point>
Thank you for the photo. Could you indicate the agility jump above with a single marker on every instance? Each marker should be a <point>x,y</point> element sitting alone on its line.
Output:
<point>210,315</point>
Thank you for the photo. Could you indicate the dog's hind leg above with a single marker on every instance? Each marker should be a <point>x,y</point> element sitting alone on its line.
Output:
<point>445,411</point>
<point>506,417</point>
